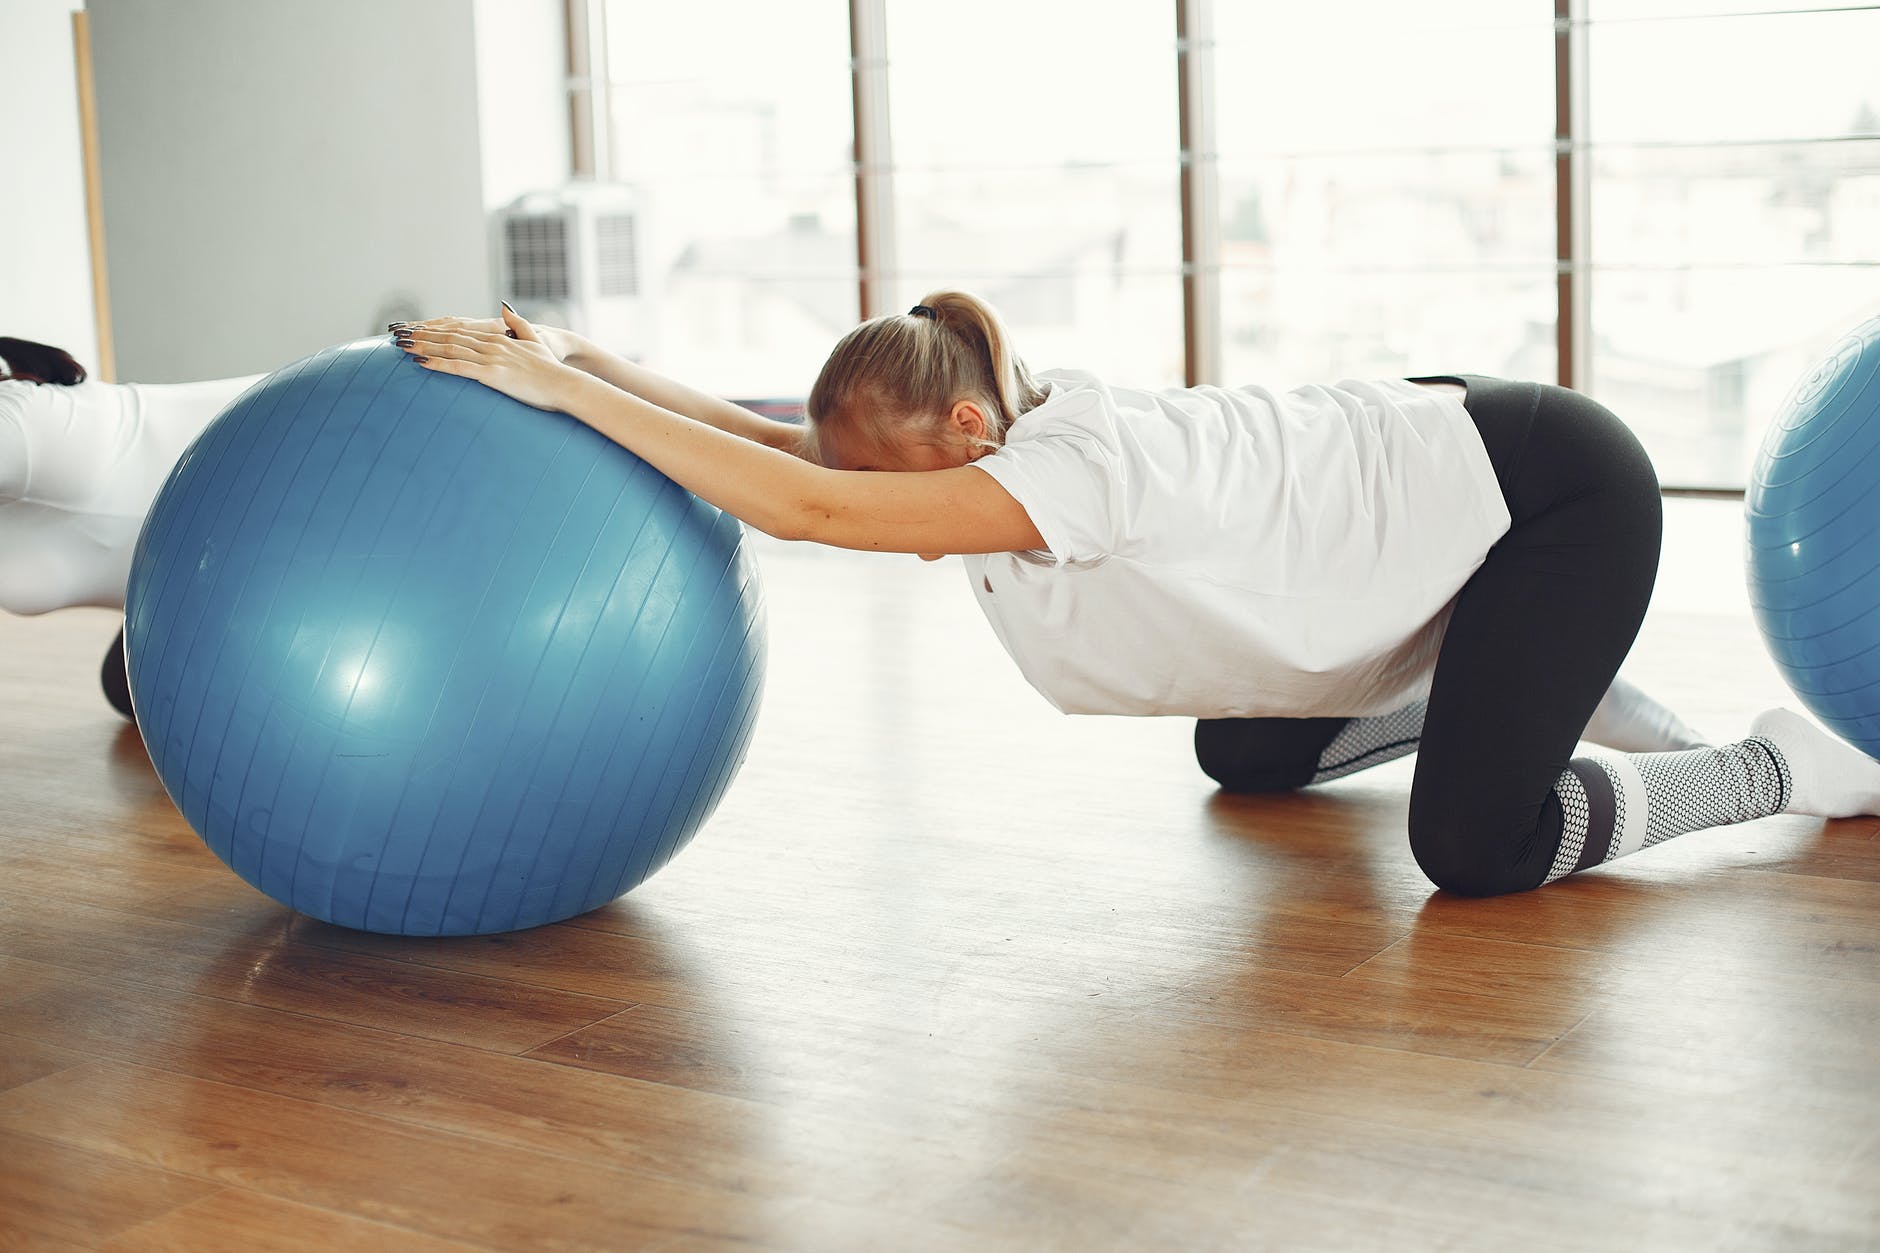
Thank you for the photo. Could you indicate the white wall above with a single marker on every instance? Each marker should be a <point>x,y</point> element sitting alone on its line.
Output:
<point>278,178</point>
<point>45,285</point>
<point>178,314</point>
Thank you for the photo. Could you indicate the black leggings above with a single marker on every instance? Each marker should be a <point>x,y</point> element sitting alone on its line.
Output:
<point>1536,637</point>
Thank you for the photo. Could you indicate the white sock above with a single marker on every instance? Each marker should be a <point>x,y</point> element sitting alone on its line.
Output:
<point>1614,804</point>
<point>1832,778</point>
<point>1632,722</point>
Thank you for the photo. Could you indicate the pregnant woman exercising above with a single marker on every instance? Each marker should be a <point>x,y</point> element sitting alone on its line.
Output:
<point>1325,578</point>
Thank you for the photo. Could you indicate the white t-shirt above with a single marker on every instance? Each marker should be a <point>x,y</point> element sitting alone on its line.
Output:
<point>79,469</point>
<point>1218,552</point>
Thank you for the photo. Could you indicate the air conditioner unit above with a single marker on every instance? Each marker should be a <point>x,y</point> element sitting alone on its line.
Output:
<point>576,257</point>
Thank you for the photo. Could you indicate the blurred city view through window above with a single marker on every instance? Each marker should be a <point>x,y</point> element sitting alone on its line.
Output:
<point>1386,175</point>
<point>1735,215</point>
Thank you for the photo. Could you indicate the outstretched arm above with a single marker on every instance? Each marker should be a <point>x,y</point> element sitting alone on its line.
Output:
<point>649,385</point>
<point>671,394</point>
<point>941,511</point>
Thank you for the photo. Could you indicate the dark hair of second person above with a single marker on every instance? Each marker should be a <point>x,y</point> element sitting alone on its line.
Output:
<point>31,362</point>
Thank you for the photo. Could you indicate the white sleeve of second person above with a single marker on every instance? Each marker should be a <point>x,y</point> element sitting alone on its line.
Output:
<point>79,467</point>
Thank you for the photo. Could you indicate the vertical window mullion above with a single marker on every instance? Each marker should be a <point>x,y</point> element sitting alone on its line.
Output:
<point>1573,179</point>
<point>588,103</point>
<point>874,155</point>
<point>1200,193</point>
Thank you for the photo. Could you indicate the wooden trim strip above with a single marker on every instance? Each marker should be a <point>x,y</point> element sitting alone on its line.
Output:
<point>1200,193</point>
<point>106,364</point>
<point>874,156</point>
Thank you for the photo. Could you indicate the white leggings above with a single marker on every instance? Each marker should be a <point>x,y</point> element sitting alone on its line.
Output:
<point>79,468</point>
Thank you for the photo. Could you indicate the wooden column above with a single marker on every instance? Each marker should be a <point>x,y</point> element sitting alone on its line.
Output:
<point>1201,193</point>
<point>874,156</point>
<point>588,129</point>
<point>106,365</point>
<point>1572,200</point>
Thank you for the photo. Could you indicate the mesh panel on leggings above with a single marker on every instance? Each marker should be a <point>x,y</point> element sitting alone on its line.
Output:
<point>1574,817</point>
<point>1366,742</point>
<point>1712,787</point>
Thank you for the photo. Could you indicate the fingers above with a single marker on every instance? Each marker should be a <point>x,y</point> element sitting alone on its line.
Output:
<point>459,334</point>
<point>433,341</point>
<point>462,347</point>
<point>492,326</point>
<point>445,349</point>
<point>440,365</point>
<point>432,350</point>
<point>517,326</point>
<point>511,325</point>
<point>456,352</point>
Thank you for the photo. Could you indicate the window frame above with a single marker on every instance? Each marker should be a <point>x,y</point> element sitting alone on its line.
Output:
<point>877,256</point>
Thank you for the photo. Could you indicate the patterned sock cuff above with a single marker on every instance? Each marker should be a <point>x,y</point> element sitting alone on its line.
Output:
<point>1574,816</point>
<point>1784,780</point>
<point>1603,803</point>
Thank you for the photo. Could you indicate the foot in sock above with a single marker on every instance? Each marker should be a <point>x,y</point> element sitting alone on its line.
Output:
<point>1632,722</point>
<point>1831,778</point>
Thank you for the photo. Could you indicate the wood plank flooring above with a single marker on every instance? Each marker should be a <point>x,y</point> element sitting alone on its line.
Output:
<point>948,971</point>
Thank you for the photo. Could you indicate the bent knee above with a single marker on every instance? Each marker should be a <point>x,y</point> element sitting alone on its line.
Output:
<point>1472,859</point>
<point>1238,776</point>
<point>1254,784</point>
<point>1225,758</point>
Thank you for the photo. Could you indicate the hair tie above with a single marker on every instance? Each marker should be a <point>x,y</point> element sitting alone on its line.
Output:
<point>924,311</point>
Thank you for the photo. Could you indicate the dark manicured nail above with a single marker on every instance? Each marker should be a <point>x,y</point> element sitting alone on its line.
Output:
<point>420,360</point>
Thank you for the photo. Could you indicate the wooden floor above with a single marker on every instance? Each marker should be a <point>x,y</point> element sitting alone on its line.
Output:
<point>948,971</point>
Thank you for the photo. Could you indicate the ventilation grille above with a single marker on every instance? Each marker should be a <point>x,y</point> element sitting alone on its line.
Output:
<point>538,257</point>
<point>619,262</point>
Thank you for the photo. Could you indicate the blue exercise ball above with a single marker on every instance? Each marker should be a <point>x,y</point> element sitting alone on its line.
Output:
<point>416,658</point>
<point>1813,507</point>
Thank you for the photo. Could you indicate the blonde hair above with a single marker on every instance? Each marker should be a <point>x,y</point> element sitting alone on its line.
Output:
<point>901,374</point>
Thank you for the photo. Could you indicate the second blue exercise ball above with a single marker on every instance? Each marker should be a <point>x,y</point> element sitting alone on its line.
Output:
<point>414,657</point>
<point>1813,508</point>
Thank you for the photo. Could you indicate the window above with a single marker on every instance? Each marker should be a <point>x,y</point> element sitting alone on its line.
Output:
<point>740,150</point>
<point>1036,164</point>
<point>1735,215</point>
<point>1386,204</point>
<point>1386,201</point>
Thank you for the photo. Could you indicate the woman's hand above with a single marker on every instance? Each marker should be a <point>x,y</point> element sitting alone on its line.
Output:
<point>506,353</point>
<point>563,343</point>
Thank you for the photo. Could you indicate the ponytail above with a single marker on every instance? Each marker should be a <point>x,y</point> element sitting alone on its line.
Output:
<point>907,370</point>
<point>979,325</point>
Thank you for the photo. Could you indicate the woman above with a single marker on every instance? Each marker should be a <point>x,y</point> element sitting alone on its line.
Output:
<point>1325,579</point>
<point>80,463</point>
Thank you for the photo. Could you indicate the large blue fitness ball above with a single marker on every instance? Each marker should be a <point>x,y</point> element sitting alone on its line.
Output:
<point>1814,539</point>
<point>413,657</point>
